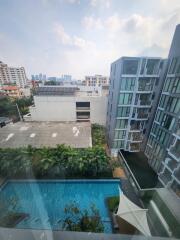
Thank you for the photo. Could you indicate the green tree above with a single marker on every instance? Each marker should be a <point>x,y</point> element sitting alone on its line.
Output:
<point>84,221</point>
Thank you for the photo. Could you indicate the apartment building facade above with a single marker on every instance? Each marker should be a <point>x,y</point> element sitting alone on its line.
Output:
<point>15,75</point>
<point>135,85</point>
<point>96,80</point>
<point>69,104</point>
<point>163,147</point>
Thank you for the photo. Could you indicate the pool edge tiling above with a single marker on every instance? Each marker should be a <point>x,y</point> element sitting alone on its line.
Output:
<point>45,200</point>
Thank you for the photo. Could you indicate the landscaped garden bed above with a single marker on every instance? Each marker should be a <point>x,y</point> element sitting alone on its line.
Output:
<point>60,162</point>
<point>112,204</point>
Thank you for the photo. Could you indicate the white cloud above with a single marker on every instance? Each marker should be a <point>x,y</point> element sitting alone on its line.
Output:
<point>63,37</point>
<point>71,41</point>
<point>113,23</point>
<point>100,3</point>
<point>73,1</point>
<point>92,23</point>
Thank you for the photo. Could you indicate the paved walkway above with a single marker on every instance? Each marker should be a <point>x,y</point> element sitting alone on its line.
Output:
<point>119,172</point>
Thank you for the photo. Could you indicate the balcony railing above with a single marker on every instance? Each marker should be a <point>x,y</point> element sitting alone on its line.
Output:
<point>142,115</point>
<point>175,151</point>
<point>165,177</point>
<point>135,127</point>
<point>172,164</point>
<point>134,147</point>
<point>144,102</point>
<point>177,174</point>
<point>144,88</point>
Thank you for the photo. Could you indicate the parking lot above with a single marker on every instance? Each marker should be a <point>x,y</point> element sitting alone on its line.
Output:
<point>49,134</point>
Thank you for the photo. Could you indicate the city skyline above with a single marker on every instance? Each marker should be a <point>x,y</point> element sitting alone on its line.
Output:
<point>83,37</point>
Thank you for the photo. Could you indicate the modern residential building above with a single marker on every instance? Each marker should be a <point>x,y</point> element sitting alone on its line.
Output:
<point>69,104</point>
<point>163,147</point>
<point>135,85</point>
<point>15,75</point>
<point>96,80</point>
<point>12,91</point>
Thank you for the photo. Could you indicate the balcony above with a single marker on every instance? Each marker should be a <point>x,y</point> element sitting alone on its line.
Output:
<point>171,163</point>
<point>177,174</point>
<point>144,102</point>
<point>144,88</point>
<point>140,115</point>
<point>165,177</point>
<point>135,137</point>
<point>174,150</point>
<point>134,147</point>
<point>135,126</point>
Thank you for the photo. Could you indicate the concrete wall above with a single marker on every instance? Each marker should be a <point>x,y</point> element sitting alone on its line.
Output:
<point>53,109</point>
<point>58,108</point>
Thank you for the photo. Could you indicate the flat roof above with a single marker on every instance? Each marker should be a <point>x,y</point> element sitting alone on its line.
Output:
<point>49,134</point>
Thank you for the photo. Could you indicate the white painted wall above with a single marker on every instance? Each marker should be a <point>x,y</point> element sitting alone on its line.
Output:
<point>58,108</point>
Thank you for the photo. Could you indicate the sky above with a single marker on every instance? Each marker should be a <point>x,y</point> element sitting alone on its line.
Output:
<point>83,37</point>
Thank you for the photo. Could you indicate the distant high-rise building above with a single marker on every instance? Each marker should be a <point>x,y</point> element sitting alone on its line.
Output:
<point>96,80</point>
<point>15,75</point>
<point>52,79</point>
<point>44,77</point>
<point>39,77</point>
<point>135,85</point>
<point>163,147</point>
<point>66,78</point>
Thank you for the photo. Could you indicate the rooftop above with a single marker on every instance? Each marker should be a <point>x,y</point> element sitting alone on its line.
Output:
<point>76,90</point>
<point>9,88</point>
<point>39,134</point>
<point>55,91</point>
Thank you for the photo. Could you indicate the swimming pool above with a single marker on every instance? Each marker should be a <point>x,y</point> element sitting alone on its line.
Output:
<point>45,201</point>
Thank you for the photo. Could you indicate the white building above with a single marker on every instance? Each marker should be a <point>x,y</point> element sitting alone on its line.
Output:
<point>15,75</point>
<point>96,80</point>
<point>69,104</point>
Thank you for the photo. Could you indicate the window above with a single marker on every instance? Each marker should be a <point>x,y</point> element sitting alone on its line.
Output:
<point>127,84</point>
<point>159,116</point>
<point>152,66</point>
<point>172,85</point>
<point>118,144</point>
<point>82,105</point>
<point>173,66</point>
<point>120,134</point>
<point>130,67</point>
<point>123,111</point>
<point>167,121</point>
<point>121,123</point>
<point>143,66</point>
<point>125,98</point>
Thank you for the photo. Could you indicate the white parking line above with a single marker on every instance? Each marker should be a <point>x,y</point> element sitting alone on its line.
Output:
<point>54,135</point>
<point>9,136</point>
<point>32,135</point>
<point>75,131</point>
<point>24,128</point>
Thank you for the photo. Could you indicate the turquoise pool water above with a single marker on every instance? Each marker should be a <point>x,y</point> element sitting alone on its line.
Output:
<point>45,201</point>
